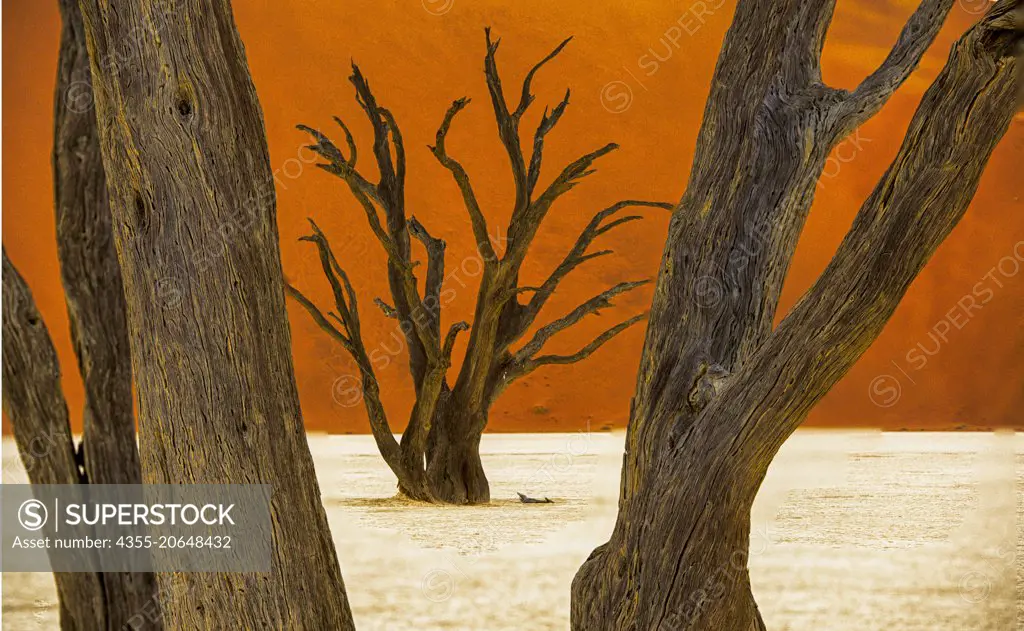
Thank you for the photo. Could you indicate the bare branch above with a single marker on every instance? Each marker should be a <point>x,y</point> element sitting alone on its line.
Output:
<point>435,272</point>
<point>508,124</point>
<point>600,301</point>
<point>353,150</point>
<point>476,216</point>
<point>918,34</point>
<point>449,341</point>
<point>547,123</point>
<point>388,310</point>
<point>524,225</point>
<point>392,179</point>
<point>320,319</point>
<point>578,255</point>
<point>587,350</point>
<point>526,99</point>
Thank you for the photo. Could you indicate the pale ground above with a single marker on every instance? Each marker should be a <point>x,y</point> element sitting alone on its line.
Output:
<point>852,531</point>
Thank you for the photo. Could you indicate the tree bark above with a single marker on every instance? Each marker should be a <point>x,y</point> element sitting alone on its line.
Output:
<point>454,467</point>
<point>194,218</point>
<point>34,402</point>
<point>707,422</point>
<point>95,297</point>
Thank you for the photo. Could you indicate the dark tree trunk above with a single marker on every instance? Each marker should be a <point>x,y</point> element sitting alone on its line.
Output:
<point>454,468</point>
<point>719,391</point>
<point>193,205</point>
<point>95,297</point>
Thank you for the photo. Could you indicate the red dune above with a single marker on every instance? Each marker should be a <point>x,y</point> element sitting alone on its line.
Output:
<point>639,73</point>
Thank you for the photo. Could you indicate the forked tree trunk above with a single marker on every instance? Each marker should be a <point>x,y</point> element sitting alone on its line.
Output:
<point>194,214</point>
<point>95,297</point>
<point>719,391</point>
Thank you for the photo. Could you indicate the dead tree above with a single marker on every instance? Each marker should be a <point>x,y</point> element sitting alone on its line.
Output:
<point>719,390</point>
<point>438,458</point>
<point>194,215</point>
<point>33,396</point>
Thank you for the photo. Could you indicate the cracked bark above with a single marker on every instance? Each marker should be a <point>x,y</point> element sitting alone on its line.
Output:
<point>439,453</point>
<point>698,447</point>
<point>194,216</point>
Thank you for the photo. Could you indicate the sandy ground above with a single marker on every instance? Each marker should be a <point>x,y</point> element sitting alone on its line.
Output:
<point>852,530</point>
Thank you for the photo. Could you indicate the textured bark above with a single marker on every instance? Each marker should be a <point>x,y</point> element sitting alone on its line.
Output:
<point>95,298</point>
<point>34,402</point>
<point>719,392</point>
<point>438,458</point>
<point>193,205</point>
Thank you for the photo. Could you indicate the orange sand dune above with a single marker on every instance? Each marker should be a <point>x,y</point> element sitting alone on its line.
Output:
<point>639,73</point>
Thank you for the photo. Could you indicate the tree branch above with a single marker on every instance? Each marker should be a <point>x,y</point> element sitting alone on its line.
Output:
<point>600,301</point>
<point>577,255</point>
<point>529,365</point>
<point>526,99</point>
<point>353,343</point>
<point>523,227</point>
<point>547,123</point>
<point>915,39</point>
<point>476,216</point>
<point>917,203</point>
<point>435,272</point>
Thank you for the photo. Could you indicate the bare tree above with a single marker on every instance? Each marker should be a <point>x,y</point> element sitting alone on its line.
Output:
<point>719,390</point>
<point>438,458</point>
<point>33,397</point>
<point>194,215</point>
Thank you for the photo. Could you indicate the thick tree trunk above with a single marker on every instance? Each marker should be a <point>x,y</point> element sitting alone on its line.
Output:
<point>34,402</point>
<point>194,216</point>
<point>95,297</point>
<point>454,468</point>
<point>708,420</point>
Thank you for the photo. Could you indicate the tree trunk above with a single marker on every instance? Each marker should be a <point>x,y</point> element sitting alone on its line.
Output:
<point>194,217</point>
<point>454,468</point>
<point>719,392</point>
<point>95,297</point>
<point>34,402</point>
